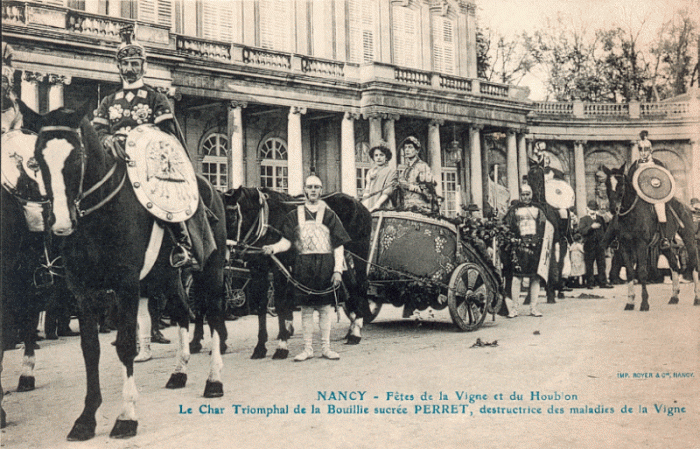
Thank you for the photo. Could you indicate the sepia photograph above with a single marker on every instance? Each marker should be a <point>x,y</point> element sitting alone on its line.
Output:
<point>355,224</point>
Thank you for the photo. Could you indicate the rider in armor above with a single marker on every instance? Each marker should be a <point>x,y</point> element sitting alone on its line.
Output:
<point>136,104</point>
<point>645,158</point>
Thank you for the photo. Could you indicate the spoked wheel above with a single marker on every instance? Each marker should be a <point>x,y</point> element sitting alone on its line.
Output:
<point>470,291</point>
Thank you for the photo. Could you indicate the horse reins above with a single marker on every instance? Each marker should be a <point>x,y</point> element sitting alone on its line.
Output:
<point>83,157</point>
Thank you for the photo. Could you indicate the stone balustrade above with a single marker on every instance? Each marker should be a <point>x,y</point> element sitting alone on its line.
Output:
<point>203,48</point>
<point>14,13</point>
<point>322,67</point>
<point>493,89</point>
<point>410,76</point>
<point>95,25</point>
<point>455,83</point>
<point>267,58</point>
<point>633,110</point>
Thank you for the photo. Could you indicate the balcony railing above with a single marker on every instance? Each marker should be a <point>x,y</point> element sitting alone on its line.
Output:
<point>106,28</point>
<point>632,110</point>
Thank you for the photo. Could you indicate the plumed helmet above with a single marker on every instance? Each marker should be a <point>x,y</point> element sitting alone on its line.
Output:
<point>129,48</point>
<point>7,70</point>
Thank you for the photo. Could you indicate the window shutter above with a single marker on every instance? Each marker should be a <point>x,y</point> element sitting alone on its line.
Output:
<point>276,19</point>
<point>405,29</point>
<point>156,11</point>
<point>217,21</point>
<point>360,31</point>
<point>443,44</point>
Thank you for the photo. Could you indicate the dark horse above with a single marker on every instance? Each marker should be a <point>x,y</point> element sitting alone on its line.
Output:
<point>635,224</point>
<point>30,272</point>
<point>254,217</point>
<point>106,232</point>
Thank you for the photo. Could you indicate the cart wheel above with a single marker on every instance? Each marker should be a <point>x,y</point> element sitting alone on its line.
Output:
<point>468,295</point>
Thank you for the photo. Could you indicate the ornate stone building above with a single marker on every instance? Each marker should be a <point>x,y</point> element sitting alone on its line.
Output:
<point>269,91</point>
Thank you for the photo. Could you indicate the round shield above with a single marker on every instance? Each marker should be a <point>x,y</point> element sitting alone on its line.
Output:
<point>21,175</point>
<point>161,174</point>
<point>559,194</point>
<point>654,184</point>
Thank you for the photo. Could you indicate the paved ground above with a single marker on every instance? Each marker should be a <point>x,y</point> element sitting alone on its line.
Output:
<point>583,355</point>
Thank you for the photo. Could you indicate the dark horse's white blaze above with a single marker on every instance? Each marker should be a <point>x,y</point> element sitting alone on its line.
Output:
<point>56,153</point>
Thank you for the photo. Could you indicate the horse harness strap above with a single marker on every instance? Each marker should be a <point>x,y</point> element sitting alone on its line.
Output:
<point>260,225</point>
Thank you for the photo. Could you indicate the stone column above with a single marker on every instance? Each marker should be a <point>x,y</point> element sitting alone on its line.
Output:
<point>294,154</point>
<point>30,89</point>
<point>56,83</point>
<point>580,176</point>
<point>695,166</point>
<point>522,156</point>
<point>434,153</point>
<point>477,193</point>
<point>512,164</point>
<point>375,129</point>
<point>348,170</point>
<point>235,137</point>
<point>390,133</point>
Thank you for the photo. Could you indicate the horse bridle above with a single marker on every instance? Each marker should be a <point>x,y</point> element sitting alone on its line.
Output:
<point>623,183</point>
<point>83,162</point>
<point>260,226</point>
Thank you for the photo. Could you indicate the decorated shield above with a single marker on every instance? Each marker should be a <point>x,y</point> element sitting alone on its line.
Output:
<point>161,174</point>
<point>654,184</point>
<point>21,175</point>
<point>559,194</point>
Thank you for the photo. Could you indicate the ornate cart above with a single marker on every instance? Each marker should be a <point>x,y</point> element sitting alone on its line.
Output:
<point>419,262</point>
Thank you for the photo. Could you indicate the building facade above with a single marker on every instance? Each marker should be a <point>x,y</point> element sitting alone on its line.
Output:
<point>270,91</point>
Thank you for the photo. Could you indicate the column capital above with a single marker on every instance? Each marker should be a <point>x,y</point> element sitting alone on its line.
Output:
<point>352,116</point>
<point>374,116</point>
<point>580,142</point>
<point>54,79</point>
<point>393,117</point>
<point>511,132</point>
<point>437,122</point>
<point>33,77</point>
<point>234,104</point>
<point>473,127</point>
<point>301,110</point>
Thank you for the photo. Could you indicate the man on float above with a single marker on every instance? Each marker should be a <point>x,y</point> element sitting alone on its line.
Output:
<point>417,181</point>
<point>645,159</point>
<point>319,239</point>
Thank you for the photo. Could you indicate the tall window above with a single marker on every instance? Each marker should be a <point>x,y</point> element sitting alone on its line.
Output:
<point>361,31</point>
<point>276,21</point>
<point>406,36</point>
<point>443,31</point>
<point>217,20</point>
<point>215,162</point>
<point>274,165</point>
<point>449,207</point>
<point>363,163</point>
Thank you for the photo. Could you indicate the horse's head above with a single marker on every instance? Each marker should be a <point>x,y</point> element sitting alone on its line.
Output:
<point>616,185</point>
<point>243,206</point>
<point>60,154</point>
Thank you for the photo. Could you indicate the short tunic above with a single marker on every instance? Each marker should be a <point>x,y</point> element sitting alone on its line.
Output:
<point>314,270</point>
<point>528,223</point>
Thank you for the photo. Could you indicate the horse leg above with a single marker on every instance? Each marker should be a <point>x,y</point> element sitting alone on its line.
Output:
<point>3,416</point>
<point>143,318</point>
<point>630,294</point>
<point>197,334</point>
<point>257,289</point>
<point>696,282</point>
<point>213,283</point>
<point>643,275</point>
<point>128,305</point>
<point>180,314</point>
<point>28,329</point>
<point>84,427</point>
<point>675,278</point>
<point>285,317</point>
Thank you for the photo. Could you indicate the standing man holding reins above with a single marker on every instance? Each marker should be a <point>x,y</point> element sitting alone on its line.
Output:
<point>319,238</point>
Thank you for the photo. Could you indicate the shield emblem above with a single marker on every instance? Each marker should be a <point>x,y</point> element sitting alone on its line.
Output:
<point>654,184</point>
<point>161,174</point>
<point>559,194</point>
<point>21,175</point>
